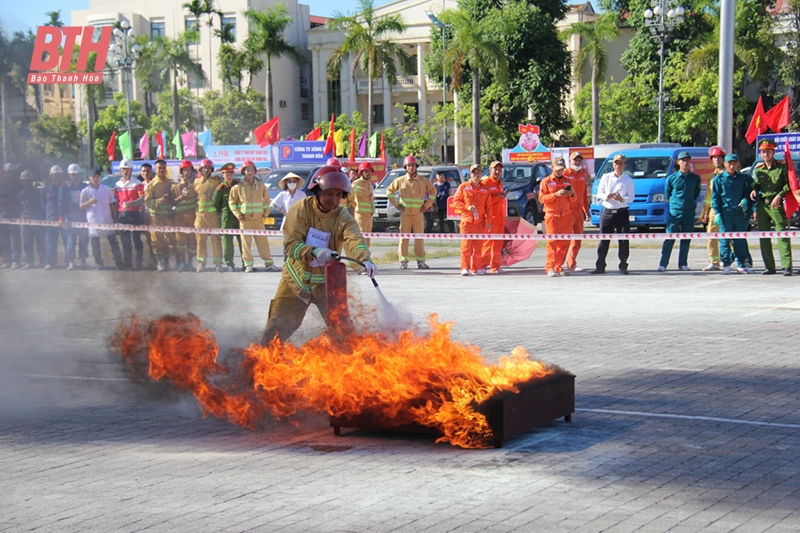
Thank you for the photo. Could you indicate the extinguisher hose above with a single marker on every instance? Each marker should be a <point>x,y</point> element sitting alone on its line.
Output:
<point>356,261</point>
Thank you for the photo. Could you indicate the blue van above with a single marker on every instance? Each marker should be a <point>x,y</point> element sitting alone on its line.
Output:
<point>649,168</point>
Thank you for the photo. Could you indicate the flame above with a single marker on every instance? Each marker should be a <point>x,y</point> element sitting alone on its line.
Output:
<point>421,379</point>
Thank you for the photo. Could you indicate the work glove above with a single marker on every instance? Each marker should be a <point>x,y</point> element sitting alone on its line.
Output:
<point>323,255</point>
<point>717,220</point>
<point>371,267</point>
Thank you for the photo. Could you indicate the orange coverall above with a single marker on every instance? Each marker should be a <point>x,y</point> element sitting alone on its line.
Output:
<point>580,208</point>
<point>468,196</point>
<point>493,248</point>
<point>557,219</point>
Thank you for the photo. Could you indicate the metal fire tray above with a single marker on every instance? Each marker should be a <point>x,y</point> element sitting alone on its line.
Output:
<point>508,413</point>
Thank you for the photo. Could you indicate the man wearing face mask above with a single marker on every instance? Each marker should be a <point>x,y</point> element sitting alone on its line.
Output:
<point>315,227</point>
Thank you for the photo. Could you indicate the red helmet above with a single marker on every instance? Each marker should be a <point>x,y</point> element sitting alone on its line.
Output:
<point>246,164</point>
<point>186,164</point>
<point>715,151</point>
<point>207,163</point>
<point>333,162</point>
<point>410,159</point>
<point>329,177</point>
<point>364,165</point>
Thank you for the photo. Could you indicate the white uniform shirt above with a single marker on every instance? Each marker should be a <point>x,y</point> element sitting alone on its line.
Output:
<point>99,213</point>
<point>285,200</point>
<point>610,183</point>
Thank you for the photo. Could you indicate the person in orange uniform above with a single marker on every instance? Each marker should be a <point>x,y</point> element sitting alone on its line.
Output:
<point>580,208</point>
<point>493,247</point>
<point>557,196</point>
<point>474,201</point>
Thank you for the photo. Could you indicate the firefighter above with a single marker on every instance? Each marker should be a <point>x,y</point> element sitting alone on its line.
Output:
<point>473,200</point>
<point>185,206</point>
<point>363,197</point>
<point>580,208</point>
<point>207,216</point>
<point>416,195</point>
<point>249,202</point>
<point>492,248</point>
<point>159,198</point>
<point>557,196</point>
<point>316,226</point>
<point>770,187</point>
<point>227,218</point>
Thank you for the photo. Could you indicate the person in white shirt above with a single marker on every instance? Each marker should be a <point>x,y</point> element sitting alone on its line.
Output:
<point>97,200</point>
<point>291,184</point>
<point>616,191</point>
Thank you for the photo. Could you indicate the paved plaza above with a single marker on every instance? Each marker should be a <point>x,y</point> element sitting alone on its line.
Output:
<point>687,396</point>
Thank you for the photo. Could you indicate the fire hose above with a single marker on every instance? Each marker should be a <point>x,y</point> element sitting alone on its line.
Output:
<point>356,261</point>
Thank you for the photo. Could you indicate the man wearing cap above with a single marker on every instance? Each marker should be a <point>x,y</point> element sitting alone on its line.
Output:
<point>770,187</point>
<point>129,192</point>
<point>580,207</point>
<point>50,195</point>
<point>159,199</point>
<point>227,219</point>
<point>616,191</point>
<point>557,196</point>
<point>730,190</point>
<point>416,195</point>
<point>717,156</point>
<point>249,201</point>
<point>681,189</point>
<point>185,200</point>
<point>473,201</point>
<point>146,176</point>
<point>69,210</point>
<point>10,239</point>
<point>207,216</point>
<point>493,247</point>
<point>98,201</point>
<point>29,200</point>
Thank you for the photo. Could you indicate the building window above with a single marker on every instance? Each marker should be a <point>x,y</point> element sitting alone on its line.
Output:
<point>305,112</point>
<point>190,24</point>
<point>335,97</point>
<point>194,81</point>
<point>158,28</point>
<point>230,21</point>
<point>414,70</point>
<point>377,114</point>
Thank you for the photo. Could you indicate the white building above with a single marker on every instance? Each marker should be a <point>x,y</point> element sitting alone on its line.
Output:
<point>291,84</point>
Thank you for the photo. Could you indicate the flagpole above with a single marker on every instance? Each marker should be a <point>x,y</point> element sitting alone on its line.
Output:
<point>725,107</point>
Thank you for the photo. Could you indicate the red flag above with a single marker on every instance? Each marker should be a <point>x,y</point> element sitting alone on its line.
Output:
<point>777,118</point>
<point>269,132</point>
<point>111,144</point>
<point>353,146</point>
<point>758,124</point>
<point>790,202</point>
<point>314,135</point>
<point>162,150</point>
<point>383,148</point>
<point>330,143</point>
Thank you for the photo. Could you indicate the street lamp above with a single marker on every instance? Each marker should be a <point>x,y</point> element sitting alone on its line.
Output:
<point>125,52</point>
<point>439,24</point>
<point>661,20</point>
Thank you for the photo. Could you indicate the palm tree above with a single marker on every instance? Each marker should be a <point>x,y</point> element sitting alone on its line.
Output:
<point>226,35</point>
<point>55,19</point>
<point>266,37</point>
<point>209,10</point>
<point>475,44</point>
<point>369,40</point>
<point>592,50</point>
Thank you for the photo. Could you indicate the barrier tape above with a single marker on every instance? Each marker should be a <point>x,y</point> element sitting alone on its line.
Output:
<point>427,236</point>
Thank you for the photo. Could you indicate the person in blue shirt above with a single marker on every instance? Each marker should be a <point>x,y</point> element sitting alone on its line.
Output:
<point>69,210</point>
<point>730,193</point>
<point>682,189</point>
<point>442,194</point>
<point>29,199</point>
<point>50,195</point>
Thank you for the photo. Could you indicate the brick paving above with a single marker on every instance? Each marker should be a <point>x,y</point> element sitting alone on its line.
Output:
<point>688,397</point>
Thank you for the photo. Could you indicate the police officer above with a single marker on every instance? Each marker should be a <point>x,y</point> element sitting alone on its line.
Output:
<point>227,219</point>
<point>682,189</point>
<point>769,188</point>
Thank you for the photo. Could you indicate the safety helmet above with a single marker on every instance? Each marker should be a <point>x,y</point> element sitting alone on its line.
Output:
<point>74,168</point>
<point>410,159</point>
<point>55,169</point>
<point>715,151</point>
<point>186,164</point>
<point>334,162</point>
<point>246,164</point>
<point>329,177</point>
<point>207,163</point>
<point>364,165</point>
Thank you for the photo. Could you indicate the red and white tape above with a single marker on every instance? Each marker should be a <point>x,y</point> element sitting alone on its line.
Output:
<point>427,236</point>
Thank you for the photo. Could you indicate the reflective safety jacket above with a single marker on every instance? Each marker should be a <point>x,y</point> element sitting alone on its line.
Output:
<point>361,192</point>
<point>250,200</point>
<point>682,192</point>
<point>304,279</point>
<point>468,196</point>
<point>556,206</point>
<point>729,190</point>
<point>189,201</point>
<point>416,193</point>
<point>205,189</point>
<point>770,182</point>
<point>495,188</point>
<point>579,185</point>
<point>154,197</point>
<point>707,211</point>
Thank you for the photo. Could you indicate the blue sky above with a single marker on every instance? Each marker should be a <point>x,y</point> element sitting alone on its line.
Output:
<point>16,16</point>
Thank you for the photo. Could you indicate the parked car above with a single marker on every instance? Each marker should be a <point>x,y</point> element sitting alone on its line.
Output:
<point>522,180</point>
<point>387,215</point>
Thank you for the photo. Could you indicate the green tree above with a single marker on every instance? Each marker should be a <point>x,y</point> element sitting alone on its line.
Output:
<point>15,59</point>
<point>163,117</point>
<point>475,46</point>
<point>54,19</point>
<point>111,119</point>
<point>232,115</point>
<point>593,51</point>
<point>370,41</point>
<point>234,62</point>
<point>790,67</point>
<point>266,37</point>
<point>56,138</point>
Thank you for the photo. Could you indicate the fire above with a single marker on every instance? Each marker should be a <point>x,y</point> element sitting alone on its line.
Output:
<point>421,379</point>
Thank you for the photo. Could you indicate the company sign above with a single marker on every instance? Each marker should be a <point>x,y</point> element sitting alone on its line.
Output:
<point>47,56</point>
<point>301,153</point>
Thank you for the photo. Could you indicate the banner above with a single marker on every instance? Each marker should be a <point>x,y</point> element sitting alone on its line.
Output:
<point>301,153</point>
<point>238,154</point>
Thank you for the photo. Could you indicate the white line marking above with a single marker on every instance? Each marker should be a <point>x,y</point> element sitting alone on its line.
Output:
<point>85,378</point>
<point>725,338</point>
<point>681,369</point>
<point>689,417</point>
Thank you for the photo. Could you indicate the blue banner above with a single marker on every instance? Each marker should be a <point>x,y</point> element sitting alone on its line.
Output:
<point>301,153</point>
<point>780,140</point>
